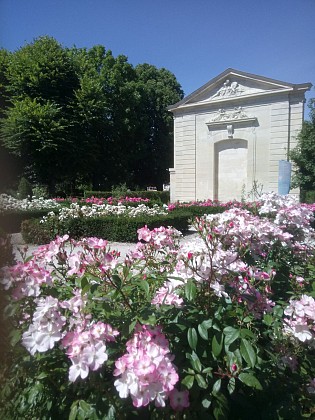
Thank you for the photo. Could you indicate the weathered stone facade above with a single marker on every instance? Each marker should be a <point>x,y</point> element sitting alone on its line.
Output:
<point>231,133</point>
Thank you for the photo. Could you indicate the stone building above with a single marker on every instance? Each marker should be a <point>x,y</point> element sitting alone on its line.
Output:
<point>233,132</point>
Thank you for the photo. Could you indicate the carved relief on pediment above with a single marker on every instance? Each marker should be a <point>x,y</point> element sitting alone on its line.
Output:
<point>236,114</point>
<point>231,119</point>
<point>228,89</point>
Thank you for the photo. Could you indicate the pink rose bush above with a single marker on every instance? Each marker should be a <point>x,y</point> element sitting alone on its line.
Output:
<point>300,321</point>
<point>146,371</point>
<point>218,326</point>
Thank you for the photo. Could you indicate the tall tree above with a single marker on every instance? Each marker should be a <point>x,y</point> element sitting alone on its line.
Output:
<point>103,105</point>
<point>304,154</point>
<point>159,89</point>
<point>83,115</point>
<point>10,165</point>
<point>37,125</point>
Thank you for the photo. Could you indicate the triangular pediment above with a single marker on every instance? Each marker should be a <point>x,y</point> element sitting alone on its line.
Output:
<point>232,84</point>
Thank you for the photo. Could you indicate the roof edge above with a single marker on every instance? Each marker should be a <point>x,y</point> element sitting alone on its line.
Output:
<point>300,86</point>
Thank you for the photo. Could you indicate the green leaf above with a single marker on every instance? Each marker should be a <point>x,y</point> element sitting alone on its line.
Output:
<point>190,289</point>
<point>111,414</point>
<point>248,352</point>
<point>206,402</point>
<point>42,375</point>
<point>207,370</point>
<point>267,319</point>
<point>216,387</point>
<point>132,326</point>
<point>192,338</point>
<point>221,407</point>
<point>247,319</point>
<point>203,331</point>
<point>231,385</point>
<point>117,281</point>
<point>278,311</point>
<point>15,337</point>
<point>217,344</point>
<point>250,380</point>
<point>231,334</point>
<point>84,282</point>
<point>244,332</point>
<point>10,310</point>
<point>144,286</point>
<point>195,361</point>
<point>73,411</point>
<point>201,381</point>
<point>207,323</point>
<point>85,407</point>
<point>188,381</point>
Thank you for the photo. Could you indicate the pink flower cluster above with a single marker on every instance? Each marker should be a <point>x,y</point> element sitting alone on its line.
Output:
<point>300,321</point>
<point>211,203</point>
<point>166,295</point>
<point>67,320</point>
<point>161,243</point>
<point>46,328</point>
<point>296,220</point>
<point>86,348</point>
<point>161,237</point>
<point>102,200</point>
<point>114,200</point>
<point>62,200</point>
<point>146,371</point>
<point>25,278</point>
<point>236,228</point>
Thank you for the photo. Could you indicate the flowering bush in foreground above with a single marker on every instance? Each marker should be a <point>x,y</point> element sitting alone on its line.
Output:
<point>221,327</point>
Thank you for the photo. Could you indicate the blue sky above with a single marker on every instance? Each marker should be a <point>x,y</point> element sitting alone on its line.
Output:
<point>194,39</point>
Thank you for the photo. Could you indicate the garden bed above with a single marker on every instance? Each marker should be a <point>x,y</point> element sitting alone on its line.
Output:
<point>220,327</point>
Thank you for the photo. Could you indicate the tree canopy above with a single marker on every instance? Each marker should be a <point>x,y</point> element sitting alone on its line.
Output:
<point>303,155</point>
<point>83,116</point>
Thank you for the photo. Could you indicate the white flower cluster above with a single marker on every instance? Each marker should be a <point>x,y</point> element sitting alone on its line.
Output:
<point>98,210</point>
<point>9,203</point>
<point>272,202</point>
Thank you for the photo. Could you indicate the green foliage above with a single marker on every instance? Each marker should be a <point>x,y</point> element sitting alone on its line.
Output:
<point>37,127</point>
<point>24,189</point>
<point>40,191</point>
<point>97,194</point>
<point>120,190</point>
<point>112,228</point>
<point>34,232</point>
<point>303,155</point>
<point>197,211</point>
<point>6,249</point>
<point>11,221</point>
<point>94,117</point>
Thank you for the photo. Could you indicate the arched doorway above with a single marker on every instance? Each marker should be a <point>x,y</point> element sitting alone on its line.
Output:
<point>230,170</point>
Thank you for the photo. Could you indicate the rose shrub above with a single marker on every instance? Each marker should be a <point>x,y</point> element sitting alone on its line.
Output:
<point>221,327</point>
<point>9,204</point>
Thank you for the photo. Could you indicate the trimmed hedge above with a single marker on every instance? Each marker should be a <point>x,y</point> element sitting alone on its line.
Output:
<point>112,228</point>
<point>6,249</point>
<point>307,197</point>
<point>159,196</point>
<point>198,211</point>
<point>11,222</point>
